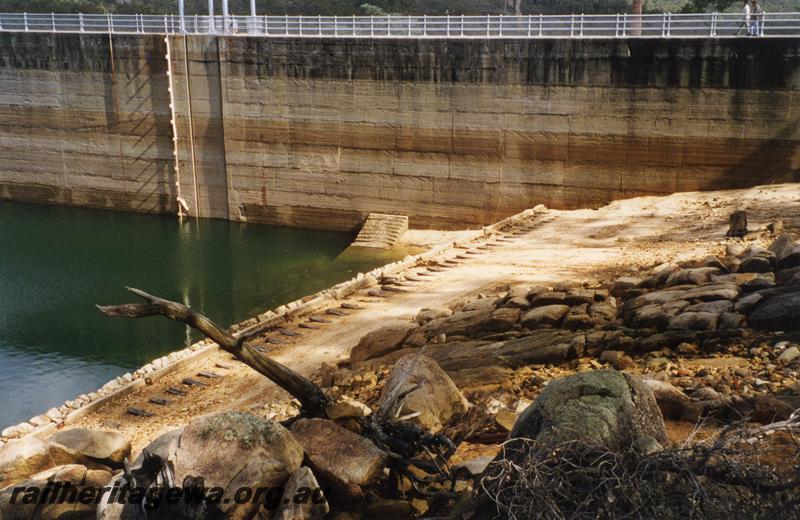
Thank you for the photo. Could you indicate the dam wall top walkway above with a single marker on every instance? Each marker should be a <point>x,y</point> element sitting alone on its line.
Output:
<point>667,25</point>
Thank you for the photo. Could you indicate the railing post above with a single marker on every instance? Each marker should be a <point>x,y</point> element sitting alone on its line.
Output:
<point>713,24</point>
<point>488,24</point>
<point>541,25</point>
<point>530,23</point>
<point>580,27</point>
<point>663,25</point>
<point>354,25</point>
<point>319,25</point>
<point>53,21</point>
<point>462,25</point>
<point>409,26</point>
<point>447,25</point>
<point>616,26</point>
<point>502,21</point>
<point>335,25</point>
<point>1,23</point>
<point>110,23</point>
<point>25,20</point>
<point>624,24</point>
<point>572,26</point>
<point>372,25</point>
<point>286,23</point>
<point>388,25</point>
<point>424,25</point>
<point>80,22</point>
<point>669,24</point>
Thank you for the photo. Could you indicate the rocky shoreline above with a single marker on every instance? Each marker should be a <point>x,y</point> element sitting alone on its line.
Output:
<point>73,409</point>
<point>707,342</point>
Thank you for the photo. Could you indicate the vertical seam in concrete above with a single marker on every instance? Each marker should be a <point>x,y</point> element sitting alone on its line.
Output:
<point>116,107</point>
<point>222,129</point>
<point>191,124</point>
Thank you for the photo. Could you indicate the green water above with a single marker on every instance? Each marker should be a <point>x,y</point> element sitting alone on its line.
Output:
<point>57,262</point>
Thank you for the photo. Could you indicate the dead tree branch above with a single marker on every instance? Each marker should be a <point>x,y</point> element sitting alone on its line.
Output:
<point>311,397</point>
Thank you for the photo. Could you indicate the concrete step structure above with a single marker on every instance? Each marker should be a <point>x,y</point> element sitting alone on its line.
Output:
<point>380,231</point>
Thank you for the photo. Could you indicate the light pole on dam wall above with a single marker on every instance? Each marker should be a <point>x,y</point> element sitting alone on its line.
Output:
<point>225,14</point>
<point>636,10</point>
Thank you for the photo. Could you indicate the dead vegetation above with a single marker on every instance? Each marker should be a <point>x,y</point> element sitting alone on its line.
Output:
<point>734,475</point>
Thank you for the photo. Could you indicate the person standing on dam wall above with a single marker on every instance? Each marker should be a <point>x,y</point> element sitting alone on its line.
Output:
<point>757,19</point>
<point>746,19</point>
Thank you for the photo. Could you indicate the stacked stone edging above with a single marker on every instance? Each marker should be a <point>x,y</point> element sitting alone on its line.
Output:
<point>71,410</point>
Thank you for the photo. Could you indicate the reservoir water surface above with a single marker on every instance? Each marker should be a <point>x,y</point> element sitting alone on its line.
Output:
<point>56,263</point>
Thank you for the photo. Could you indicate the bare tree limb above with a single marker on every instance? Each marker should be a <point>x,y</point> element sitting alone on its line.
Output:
<point>311,397</point>
<point>400,440</point>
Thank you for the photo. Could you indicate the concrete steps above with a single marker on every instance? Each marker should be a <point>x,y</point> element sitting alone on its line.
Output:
<point>380,231</point>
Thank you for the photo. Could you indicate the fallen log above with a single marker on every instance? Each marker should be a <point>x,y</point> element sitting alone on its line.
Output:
<point>402,441</point>
<point>312,400</point>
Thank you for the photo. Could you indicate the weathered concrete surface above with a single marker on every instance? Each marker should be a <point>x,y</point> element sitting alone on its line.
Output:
<point>320,133</point>
<point>79,129</point>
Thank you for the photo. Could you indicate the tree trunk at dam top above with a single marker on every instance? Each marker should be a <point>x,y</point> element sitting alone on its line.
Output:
<point>311,397</point>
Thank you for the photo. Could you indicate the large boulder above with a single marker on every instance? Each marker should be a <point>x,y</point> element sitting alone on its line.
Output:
<point>380,342</point>
<point>604,408</point>
<point>545,316</point>
<point>758,261</point>
<point>109,448</point>
<point>713,291</point>
<point>341,459</point>
<point>112,508</point>
<point>86,482</point>
<point>655,315</point>
<point>231,450</point>
<point>694,321</point>
<point>302,498</point>
<point>501,320</point>
<point>673,403</point>
<point>432,313</point>
<point>780,312</point>
<point>165,446</point>
<point>540,346</point>
<point>694,276</point>
<point>22,458</point>
<point>786,251</point>
<point>781,246</point>
<point>473,322</point>
<point>418,385</point>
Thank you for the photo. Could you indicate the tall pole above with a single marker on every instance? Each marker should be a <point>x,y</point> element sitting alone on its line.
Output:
<point>253,19</point>
<point>182,14</point>
<point>636,11</point>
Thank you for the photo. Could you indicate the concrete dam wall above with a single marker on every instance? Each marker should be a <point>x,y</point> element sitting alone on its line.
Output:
<point>320,132</point>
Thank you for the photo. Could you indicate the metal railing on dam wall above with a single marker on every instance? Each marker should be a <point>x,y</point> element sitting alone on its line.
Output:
<point>705,25</point>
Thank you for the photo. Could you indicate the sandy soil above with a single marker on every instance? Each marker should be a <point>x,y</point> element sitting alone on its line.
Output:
<point>585,245</point>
